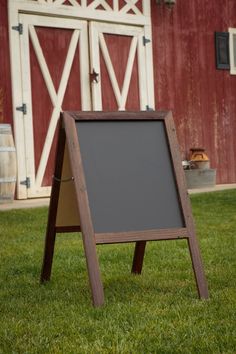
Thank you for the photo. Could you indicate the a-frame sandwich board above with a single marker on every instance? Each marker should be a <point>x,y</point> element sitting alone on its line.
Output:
<point>118,178</point>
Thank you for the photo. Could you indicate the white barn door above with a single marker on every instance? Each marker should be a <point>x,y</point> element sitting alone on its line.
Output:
<point>118,61</point>
<point>55,77</point>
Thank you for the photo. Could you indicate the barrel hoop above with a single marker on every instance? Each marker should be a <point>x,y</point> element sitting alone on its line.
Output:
<point>7,149</point>
<point>5,128</point>
<point>5,132</point>
<point>6,197</point>
<point>8,180</point>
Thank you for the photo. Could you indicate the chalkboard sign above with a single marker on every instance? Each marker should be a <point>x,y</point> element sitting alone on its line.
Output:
<point>118,178</point>
<point>129,176</point>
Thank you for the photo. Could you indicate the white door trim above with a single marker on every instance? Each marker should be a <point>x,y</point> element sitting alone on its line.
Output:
<point>114,13</point>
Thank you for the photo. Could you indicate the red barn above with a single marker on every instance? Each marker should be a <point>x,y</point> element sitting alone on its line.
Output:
<point>117,55</point>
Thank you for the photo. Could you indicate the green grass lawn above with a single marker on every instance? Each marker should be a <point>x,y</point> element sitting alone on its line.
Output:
<point>157,312</point>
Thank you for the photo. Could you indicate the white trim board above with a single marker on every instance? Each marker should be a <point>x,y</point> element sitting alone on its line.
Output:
<point>84,11</point>
<point>232,50</point>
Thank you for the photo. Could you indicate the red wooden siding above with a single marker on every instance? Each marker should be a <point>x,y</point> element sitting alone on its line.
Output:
<point>5,77</point>
<point>203,99</point>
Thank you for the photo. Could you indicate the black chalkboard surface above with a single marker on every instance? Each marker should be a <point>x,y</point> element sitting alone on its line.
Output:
<point>118,178</point>
<point>129,176</point>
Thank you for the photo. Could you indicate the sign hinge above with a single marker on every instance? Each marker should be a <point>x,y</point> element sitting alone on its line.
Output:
<point>26,182</point>
<point>149,108</point>
<point>18,28</point>
<point>146,40</point>
<point>22,108</point>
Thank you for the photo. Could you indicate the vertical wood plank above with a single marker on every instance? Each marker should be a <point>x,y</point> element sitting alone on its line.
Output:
<point>95,65</point>
<point>17,98</point>
<point>149,67</point>
<point>115,5</point>
<point>5,79</point>
<point>142,74</point>
<point>27,94</point>
<point>84,68</point>
<point>146,8</point>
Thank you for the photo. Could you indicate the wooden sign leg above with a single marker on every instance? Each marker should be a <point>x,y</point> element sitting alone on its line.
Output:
<point>48,254</point>
<point>93,270</point>
<point>50,233</point>
<point>52,215</point>
<point>138,257</point>
<point>198,267</point>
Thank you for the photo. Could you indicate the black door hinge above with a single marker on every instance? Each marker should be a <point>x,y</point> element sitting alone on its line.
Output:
<point>26,182</point>
<point>146,40</point>
<point>18,28</point>
<point>22,108</point>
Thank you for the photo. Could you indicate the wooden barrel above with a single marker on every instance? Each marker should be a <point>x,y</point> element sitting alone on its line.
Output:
<point>7,164</point>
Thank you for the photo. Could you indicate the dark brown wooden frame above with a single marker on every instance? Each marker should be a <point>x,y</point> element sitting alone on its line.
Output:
<point>68,133</point>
